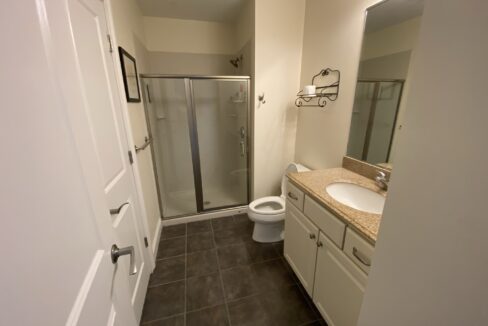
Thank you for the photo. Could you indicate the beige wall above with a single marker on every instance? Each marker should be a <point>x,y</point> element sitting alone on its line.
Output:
<point>393,39</point>
<point>430,262</point>
<point>129,34</point>
<point>189,36</point>
<point>335,42</point>
<point>278,51</point>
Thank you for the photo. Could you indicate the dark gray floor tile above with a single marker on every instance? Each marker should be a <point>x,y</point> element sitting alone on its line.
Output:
<point>227,237</point>
<point>320,322</point>
<point>201,263</point>
<point>271,275</point>
<point>197,227</point>
<point>243,219</point>
<point>245,253</point>
<point>178,320</point>
<point>173,231</point>
<point>239,282</point>
<point>248,312</point>
<point>164,300</point>
<point>203,291</point>
<point>233,255</point>
<point>286,306</point>
<point>222,223</point>
<point>214,316</point>
<point>260,251</point>
<point>171,247</point>
<point>168,270</point>
<point>200,241</point>
<point>279,248</point>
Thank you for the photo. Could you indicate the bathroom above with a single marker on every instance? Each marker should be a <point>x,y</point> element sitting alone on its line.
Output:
<point>244,162</point>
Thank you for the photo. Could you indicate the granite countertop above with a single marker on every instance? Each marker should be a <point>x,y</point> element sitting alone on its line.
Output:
<point>313,183</point>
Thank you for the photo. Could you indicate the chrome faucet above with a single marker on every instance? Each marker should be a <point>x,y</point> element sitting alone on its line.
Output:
<point>381,180</point>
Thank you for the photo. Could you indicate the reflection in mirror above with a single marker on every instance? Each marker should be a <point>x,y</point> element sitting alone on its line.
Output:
<point>389,40</point>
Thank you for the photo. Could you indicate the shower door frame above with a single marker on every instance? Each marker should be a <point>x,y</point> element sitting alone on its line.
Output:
<point>372,112</point>
<point>194,145</point>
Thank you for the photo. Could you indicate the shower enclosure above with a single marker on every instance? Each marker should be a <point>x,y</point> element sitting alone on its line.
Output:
<point>199,129</point>
<point>373,120</point>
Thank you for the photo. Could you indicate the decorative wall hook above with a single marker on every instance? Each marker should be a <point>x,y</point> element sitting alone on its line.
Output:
<point>261,98</point>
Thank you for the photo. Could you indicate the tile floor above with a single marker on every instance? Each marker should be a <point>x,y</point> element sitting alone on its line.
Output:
<point>212,273</point>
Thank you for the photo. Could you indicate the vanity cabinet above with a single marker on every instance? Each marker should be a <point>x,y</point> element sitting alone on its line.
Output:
<point>300,246</point>
<point>339,285</point>
<point>330,260</point>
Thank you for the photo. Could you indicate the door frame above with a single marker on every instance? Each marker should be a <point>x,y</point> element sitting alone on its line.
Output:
<point>140,205</point>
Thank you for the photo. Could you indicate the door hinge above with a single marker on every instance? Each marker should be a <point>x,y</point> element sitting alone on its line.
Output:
<point>110,47</point>
<point>146,243</point>
<point>131,158</point>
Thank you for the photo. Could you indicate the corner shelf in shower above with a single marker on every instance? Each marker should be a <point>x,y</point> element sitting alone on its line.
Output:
<point>324,92</point>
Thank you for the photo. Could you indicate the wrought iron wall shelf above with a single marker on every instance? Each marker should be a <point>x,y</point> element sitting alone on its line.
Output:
<point>325,91</point>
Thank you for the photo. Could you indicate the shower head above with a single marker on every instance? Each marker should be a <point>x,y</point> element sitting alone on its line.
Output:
<point>235,62</point>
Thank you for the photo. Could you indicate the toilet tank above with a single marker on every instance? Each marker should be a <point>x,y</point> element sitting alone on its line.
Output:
<point>292,167</point>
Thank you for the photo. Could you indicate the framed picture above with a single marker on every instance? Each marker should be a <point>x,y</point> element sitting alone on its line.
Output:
<point>129,73</point>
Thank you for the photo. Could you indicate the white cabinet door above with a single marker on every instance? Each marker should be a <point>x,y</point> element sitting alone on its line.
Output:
<point>339,285</point>
<point>300,245</point>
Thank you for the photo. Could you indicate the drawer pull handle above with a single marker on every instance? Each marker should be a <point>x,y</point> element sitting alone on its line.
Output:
<point>320,244</point>
<point>358,255</point>
<point>311,236</point>
<point>292,195</point>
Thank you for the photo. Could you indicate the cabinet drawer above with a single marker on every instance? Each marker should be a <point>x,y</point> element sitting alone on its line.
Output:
<point>359,250</point>
<point>327,223</point>
<point>294,195</point>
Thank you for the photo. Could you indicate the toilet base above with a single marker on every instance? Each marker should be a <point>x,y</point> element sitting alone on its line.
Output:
<point>268,232</point>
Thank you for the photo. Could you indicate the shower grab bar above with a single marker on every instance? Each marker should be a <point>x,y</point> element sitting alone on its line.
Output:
<point>147,142</point>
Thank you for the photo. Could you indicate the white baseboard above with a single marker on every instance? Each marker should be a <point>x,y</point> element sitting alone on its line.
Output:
<point>204,216</point>
<point>156,238</point>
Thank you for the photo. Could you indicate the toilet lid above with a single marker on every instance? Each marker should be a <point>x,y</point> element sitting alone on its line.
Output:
<point>271,205</point>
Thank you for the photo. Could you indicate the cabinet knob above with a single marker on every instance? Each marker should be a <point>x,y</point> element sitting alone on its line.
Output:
<point>320,244</point>
<point>311,236</point>
<point>292,195</point>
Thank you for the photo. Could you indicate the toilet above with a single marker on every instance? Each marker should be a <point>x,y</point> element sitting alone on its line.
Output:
<point>268,213</point>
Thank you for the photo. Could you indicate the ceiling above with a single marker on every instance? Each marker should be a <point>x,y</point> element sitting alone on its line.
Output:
<point>225,11</point>
<point>393,12</point>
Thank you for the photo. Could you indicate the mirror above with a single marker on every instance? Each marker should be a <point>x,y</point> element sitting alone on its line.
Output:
<point>389,39</point>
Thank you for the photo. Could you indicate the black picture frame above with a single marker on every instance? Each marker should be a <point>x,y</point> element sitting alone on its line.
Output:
<point>129,74</point>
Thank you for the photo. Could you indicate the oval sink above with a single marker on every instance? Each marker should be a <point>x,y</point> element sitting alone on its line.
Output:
<point>357,197</point>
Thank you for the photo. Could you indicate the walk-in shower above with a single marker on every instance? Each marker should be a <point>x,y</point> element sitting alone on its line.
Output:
<point>200,132</point>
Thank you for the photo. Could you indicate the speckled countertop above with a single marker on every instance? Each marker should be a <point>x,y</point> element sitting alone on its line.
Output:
<point>313,183</point>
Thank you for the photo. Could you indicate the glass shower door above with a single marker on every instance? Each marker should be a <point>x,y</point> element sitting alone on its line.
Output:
<point>167,115</point>
<point>221,109</point>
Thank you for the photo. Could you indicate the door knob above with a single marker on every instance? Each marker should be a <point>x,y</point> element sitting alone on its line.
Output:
<point>116,252</point>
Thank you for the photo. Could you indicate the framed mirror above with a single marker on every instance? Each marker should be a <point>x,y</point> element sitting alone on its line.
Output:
<point>389,40</point>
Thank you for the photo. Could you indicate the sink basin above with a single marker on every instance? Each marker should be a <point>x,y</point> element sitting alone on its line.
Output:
<point>357,197</point>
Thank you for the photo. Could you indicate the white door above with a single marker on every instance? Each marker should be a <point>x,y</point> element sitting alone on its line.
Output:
<point>102,108</point>
<point>58,174</point>
<point>300,247</point>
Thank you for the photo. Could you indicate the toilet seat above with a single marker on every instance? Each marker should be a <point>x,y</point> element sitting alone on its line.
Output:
<point>268,213</point>
<point>267,204</point>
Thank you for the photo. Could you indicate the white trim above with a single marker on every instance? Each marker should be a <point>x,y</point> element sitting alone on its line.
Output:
<point>111,317</point>
<point>77,308</point>
<point>156,238</point>
<point>204,216</point>
<point>128,129</point>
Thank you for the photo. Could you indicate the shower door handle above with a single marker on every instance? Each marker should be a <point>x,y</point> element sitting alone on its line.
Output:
<point>243,148</point>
